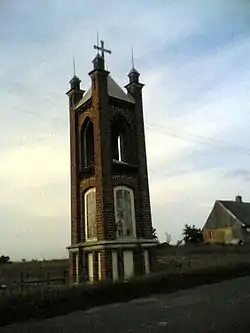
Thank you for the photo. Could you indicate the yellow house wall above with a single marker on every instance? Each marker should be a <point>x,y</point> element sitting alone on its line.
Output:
<point>220,235</point>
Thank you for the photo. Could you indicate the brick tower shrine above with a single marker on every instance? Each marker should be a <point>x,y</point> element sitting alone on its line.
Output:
<point>111,227</point>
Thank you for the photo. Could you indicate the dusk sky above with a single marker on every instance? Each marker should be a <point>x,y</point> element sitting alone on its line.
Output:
<point>194,58</point>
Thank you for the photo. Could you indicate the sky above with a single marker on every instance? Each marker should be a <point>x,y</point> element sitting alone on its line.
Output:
<point>194,58</point>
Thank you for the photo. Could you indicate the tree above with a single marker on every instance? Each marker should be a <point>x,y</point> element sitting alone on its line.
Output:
<point>155,236</point>
<point>179,242</point>
<point>192,235</point>
<point>5,260</point>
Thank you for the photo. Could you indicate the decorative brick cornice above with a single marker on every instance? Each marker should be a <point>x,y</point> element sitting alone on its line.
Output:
<point>133,242</point>
<point>83,108</point>
<point>82,116</point>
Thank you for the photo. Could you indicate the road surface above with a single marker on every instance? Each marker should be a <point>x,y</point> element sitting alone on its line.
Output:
<point>220,308</point>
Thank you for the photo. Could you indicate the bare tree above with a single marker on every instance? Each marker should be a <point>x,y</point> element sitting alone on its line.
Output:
<point>168,238</point>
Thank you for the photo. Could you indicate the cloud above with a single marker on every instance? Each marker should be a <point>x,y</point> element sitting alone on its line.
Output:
<point>193,58</point>
<point>33,236</point>
<point>189,197</point>
<point>240,173</point>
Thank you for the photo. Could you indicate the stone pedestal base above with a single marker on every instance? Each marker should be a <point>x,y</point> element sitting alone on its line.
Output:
<point>110,261</point>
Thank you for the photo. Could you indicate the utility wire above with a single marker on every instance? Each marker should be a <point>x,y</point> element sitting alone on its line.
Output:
<point>163,129</point>
<point>198,139</point>
<point>167,131</point>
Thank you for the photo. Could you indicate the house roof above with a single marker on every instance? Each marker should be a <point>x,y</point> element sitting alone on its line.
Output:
<point>241,210</point>
<point>114,90</point>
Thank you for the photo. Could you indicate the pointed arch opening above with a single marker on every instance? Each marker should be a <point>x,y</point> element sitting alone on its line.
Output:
<point>120,139</point>
<point>87,144</point>
<point>119,148</point>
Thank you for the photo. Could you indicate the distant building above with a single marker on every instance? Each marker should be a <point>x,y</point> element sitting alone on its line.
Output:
<point>228,222</point>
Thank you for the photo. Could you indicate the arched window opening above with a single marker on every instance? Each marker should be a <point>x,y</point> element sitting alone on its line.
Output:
<point>90,214</point>
<point>119,148</point>
<point>87,144</point>
<point>124,212</point>
<point>117,145</point>
<point>120,139</point>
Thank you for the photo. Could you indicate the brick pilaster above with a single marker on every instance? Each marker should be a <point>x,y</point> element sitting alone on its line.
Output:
<point>106,264</point>
<point>95,266</point>
<point>72,267</point>
<point>138,261</point>
<point>120,264</point>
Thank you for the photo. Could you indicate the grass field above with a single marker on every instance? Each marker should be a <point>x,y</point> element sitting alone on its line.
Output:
<point>176,268</point>
<point>45,303</point>
<point>169,259</point>
<point>32,270</point>
<point>172,258</point>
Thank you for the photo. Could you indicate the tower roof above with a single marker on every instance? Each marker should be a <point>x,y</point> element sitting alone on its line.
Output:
<point>133,71</point>
<point>133,76</point>
<point>75,79</point>
<point>114,90</point>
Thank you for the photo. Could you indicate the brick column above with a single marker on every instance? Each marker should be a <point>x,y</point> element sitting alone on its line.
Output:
<point>72,267</point>
<point>82,266</point>
<point>106,264</point>
<point>138,261</point>
<point>135,89</point>
<point>120,264</point>
<point>95,264</point>
<point>152,258</point>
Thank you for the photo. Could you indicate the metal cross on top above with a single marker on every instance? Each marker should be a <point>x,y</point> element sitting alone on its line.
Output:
<point>101,48</point>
